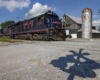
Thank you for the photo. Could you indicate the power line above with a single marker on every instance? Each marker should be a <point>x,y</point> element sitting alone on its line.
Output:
<point>11,0</point>
<point>10,16</point>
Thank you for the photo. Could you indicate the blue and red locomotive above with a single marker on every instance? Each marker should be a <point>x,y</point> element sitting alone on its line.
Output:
<point>45,26</point>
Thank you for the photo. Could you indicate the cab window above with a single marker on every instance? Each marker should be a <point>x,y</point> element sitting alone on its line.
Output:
<point>39,18</point>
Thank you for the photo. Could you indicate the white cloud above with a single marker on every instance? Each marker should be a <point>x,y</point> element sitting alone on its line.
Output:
<point>38,9</point>
<point>96,23</point>
<point>95,16</point>
<point>11,5</point>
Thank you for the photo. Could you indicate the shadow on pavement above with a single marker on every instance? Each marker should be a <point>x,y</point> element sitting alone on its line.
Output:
<point>81,69</point>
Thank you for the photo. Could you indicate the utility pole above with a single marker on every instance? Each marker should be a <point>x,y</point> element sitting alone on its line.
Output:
<point>22,18</point>
<point>63,21</point>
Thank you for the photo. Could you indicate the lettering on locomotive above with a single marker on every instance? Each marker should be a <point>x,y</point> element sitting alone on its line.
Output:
<point>28,24</point>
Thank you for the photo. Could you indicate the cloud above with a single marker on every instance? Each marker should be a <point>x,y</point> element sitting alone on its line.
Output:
<point>95,16</point>
<point>38,9</point>
<point>96,23</point>
<point>11,5</point>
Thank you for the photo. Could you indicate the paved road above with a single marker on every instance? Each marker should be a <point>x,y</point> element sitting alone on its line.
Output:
<point>75,59</point>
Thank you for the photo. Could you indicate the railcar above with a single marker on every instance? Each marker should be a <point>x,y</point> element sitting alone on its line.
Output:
<point>46,26</point>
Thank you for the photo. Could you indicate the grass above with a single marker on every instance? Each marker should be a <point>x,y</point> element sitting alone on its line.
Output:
<point>6,39</point>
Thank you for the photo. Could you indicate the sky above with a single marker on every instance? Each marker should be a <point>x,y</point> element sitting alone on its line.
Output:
<point>24,9</point>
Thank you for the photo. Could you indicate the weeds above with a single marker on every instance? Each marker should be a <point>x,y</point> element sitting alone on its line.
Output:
<point>66,39</point>
<point>6,39</point>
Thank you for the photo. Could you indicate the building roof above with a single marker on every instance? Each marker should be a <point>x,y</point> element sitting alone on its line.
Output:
<point>75,19</point>
<point>87,10</point>
<point>93,31</point>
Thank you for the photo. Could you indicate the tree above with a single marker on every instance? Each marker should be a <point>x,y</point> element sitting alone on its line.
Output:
<point>99,29</point>
<point>6,23</point>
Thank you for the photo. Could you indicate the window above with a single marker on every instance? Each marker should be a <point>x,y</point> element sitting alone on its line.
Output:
<point>9,30</point>
<point>26,26</point>
<point>16,28</point>
<point>39,19</point>
<point>30,26</point>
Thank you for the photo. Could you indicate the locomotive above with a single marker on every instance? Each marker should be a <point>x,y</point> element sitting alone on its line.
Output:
<point>46,26</point>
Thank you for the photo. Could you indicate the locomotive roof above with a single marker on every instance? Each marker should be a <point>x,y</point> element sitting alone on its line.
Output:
<point>9,26</point>
<point>17,23</point>
<point>49,12</point>
<point>14,24</point>
<point>43,14</point>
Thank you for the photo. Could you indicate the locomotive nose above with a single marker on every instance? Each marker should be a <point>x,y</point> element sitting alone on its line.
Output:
<point>56,23</point>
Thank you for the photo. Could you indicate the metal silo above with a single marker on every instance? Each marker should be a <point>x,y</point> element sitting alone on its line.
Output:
<point>87,23</point>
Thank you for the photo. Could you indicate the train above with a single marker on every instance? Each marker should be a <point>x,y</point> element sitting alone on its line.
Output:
<point>46,26</point>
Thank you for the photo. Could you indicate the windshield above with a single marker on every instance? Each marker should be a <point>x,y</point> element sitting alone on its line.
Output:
<point>52,16</point>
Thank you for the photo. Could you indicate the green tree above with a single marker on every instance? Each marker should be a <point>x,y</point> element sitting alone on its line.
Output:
<point>6,23</point>
<point>99,29</point>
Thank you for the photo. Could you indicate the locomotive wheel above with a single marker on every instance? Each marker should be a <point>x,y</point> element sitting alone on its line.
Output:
<point>16,37</point>
<point>45,38</point>
<point>36,38</point>
<point>31,37</point>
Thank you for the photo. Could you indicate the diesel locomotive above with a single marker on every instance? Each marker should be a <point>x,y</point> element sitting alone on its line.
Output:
<point>46,26</point>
